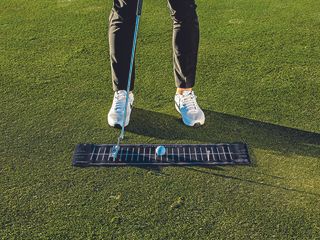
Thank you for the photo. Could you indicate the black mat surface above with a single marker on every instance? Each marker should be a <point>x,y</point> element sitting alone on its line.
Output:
<point>176,154</point>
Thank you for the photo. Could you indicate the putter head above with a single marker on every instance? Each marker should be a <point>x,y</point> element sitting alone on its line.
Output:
<point>115,150</point>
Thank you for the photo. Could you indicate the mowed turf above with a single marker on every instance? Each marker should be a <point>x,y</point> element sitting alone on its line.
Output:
<point>258,81</point>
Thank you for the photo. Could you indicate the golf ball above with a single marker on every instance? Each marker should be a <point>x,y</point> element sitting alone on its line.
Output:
<point>161,150</point>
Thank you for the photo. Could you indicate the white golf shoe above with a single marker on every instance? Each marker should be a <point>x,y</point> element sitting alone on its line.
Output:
<point>116,113</point>
<point>186,104</point>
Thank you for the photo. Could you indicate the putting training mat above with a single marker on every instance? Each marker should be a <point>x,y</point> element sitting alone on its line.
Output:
<point>176,154</point>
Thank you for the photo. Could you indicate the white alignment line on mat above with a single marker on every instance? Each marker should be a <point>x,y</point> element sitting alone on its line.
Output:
<point>208,156</point>
<point>97,158</point>
<point>201,153</point>
<point>230,152</point>
<point>121,154</point>
<point>104,153</point>
<point>224,153</point>
<point>92,153</point>
<point>195,153</point>
<point>138,154</point>
<point>144,154</point>
<point>109,156</point>
<point>214,158</point>
<point>184,153</point>
<point>127,154</point>
<point>178,154</point>
<point>219,159</point>
<point>132,154</point>
<point>149,154</point>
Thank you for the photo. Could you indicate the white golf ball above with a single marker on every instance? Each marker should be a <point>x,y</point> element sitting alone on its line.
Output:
<point>161,150</point>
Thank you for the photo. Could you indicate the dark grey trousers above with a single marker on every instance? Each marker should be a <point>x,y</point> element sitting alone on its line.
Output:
<point>185,41</point>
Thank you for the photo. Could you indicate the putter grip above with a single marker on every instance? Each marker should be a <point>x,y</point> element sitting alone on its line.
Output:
<point>139,7</point>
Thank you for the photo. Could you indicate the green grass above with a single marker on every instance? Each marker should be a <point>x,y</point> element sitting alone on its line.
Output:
<point>258,82</point>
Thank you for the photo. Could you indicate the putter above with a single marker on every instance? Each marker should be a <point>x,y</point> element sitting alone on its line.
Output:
<point>116,148</point>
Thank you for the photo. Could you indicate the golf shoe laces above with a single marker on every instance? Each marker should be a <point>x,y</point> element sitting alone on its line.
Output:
<point>189,101</point>
<point>120,102</point>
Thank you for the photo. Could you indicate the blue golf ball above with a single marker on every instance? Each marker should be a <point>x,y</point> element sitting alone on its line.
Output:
<point>161,150</point>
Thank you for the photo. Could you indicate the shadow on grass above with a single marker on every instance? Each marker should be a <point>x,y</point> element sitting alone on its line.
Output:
<point>222,127</point>
<point>253,182</point>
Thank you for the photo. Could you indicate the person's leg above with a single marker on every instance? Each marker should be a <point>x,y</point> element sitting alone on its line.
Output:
<point>185,42</point>
<point>121,29</point>
<point>185,53</point>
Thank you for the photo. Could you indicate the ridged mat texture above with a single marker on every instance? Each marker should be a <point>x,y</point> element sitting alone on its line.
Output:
<point>176,154</point>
